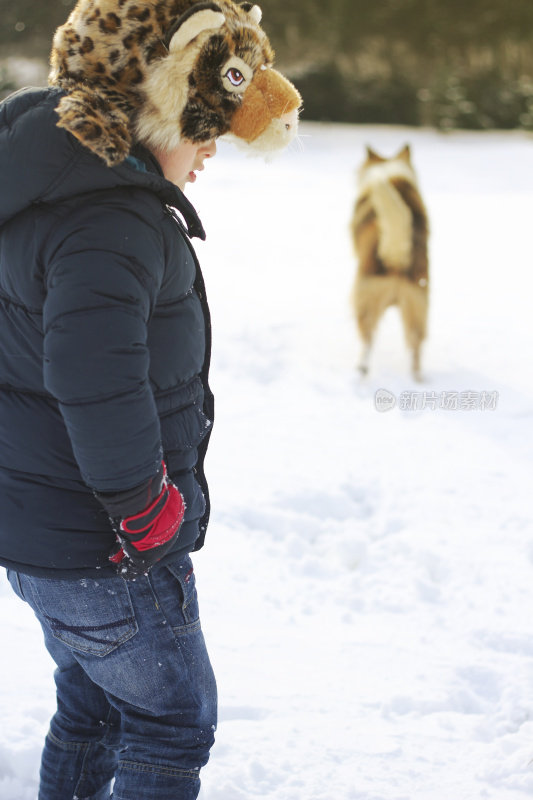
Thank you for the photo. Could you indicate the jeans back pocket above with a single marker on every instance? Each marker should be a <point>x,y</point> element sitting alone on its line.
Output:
<point>90,616</point>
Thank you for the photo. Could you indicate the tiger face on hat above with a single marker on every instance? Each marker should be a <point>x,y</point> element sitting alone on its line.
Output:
<point>164,71</point>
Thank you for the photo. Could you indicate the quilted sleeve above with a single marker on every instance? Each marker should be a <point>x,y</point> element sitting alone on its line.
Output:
<point>103,267</point>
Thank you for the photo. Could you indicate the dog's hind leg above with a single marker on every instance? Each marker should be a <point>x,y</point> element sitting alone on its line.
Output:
<point>372,296</point>
<point>367,319</point>
<point>413,302</point>
<point>415,363</point>
<point>365,358</point>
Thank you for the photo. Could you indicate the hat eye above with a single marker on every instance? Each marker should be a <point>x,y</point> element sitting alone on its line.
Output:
<point>234,76</point>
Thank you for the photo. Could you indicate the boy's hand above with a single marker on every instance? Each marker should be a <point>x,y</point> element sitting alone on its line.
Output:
<point>144,538</point>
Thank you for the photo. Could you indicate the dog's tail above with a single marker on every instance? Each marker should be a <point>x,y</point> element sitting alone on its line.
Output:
<point>395,222</point>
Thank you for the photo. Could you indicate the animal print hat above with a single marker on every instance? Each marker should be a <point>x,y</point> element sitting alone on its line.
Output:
<point>160,71</point>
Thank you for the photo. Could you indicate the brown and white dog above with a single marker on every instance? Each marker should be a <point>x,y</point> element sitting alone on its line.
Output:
<point>390,234</point>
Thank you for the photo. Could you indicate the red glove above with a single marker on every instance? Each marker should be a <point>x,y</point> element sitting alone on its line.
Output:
<point>144,538</point>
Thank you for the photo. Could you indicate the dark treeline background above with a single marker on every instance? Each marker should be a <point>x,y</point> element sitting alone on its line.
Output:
<point>445,63</point>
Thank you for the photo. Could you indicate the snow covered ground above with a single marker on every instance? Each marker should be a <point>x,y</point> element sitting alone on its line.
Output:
<point>367,587</point>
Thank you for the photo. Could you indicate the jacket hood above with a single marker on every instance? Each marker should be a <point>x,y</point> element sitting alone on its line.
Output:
<point>42,163</point>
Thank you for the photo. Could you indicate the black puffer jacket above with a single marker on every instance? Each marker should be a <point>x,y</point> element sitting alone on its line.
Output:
<point>104,343</point>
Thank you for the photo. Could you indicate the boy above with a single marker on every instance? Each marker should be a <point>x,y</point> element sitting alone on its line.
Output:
<point>105,406</point>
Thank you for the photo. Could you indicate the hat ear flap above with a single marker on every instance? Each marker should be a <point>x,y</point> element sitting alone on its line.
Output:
<point>191,25</point>
<point>96,122</point>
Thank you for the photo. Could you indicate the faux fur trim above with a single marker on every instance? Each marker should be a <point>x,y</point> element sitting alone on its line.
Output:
<point>163,72</point>
<point>158,122</point>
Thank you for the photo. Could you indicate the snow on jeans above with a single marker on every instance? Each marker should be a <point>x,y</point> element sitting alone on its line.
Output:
<point>136,695</point>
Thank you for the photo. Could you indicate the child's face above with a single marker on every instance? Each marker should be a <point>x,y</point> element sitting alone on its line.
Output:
<point>181,164</point>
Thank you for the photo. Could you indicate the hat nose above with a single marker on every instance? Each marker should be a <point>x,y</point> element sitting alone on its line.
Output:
<point>290,120</point>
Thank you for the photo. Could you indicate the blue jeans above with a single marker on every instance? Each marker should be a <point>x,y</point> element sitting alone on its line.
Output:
<point>136,695</point>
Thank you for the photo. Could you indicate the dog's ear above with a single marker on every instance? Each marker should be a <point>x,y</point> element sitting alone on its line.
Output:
<point>373,157</point>
<point>405,154</point>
